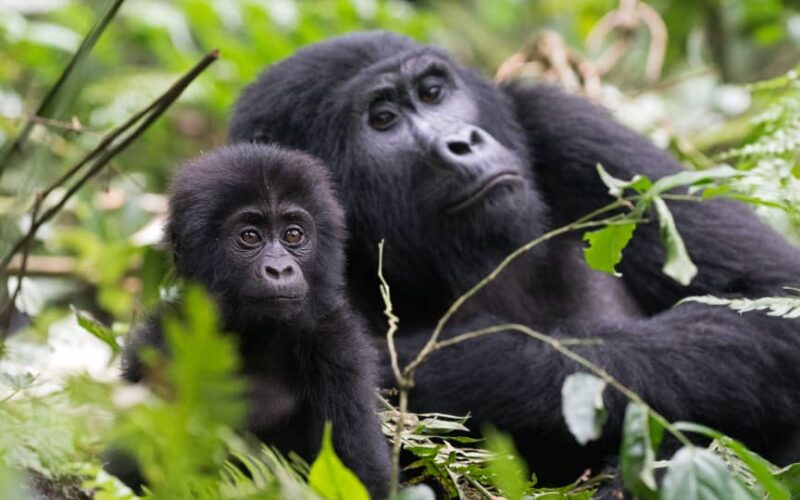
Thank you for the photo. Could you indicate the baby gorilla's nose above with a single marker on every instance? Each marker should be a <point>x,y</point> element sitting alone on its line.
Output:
<point>276,273</point>
<point>283,278</point>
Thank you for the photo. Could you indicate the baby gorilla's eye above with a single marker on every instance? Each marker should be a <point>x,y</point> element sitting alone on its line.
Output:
<point>250,237</point>
<point>382,120</point>
<point>293,236</point>
<point>429,93</point>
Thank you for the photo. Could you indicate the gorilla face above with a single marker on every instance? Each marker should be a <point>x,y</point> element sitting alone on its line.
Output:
<point>418,145</point>
<point>261,228</point>
<point>267,251</point>
<point>419,113</point>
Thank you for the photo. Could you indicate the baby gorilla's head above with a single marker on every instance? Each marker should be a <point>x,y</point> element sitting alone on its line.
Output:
<point>261,228</point>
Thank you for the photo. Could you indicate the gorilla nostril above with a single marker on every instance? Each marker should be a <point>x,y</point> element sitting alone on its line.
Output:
<point>459,148</point>
<point>272,272</point>
<point>475,138</point>
<point>288,271</point>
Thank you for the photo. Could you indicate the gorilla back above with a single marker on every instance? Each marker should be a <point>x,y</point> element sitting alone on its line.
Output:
<point>455,172</point>
<point>261,229</point>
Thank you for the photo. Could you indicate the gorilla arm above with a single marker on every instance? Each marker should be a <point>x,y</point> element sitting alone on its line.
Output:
<point>736,255</point>
<point>757,377</point>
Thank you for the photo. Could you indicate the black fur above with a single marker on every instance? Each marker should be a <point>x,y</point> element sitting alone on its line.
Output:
<point>738,373</point>
<point>304,352</point>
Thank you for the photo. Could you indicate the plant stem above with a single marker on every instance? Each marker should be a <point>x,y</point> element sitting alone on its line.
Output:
<point>393,320</point>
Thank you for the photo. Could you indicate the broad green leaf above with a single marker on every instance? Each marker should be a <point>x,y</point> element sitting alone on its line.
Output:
<point>678,265</point>
<point>640,439</point>
<point>789,478</point>
<point>605,246</point>
<point>761,469</point>
<point>698,474</point>
<point>330,478</point>
<point>616,187</point>
<point>510,472</point>
<point>582,405</point>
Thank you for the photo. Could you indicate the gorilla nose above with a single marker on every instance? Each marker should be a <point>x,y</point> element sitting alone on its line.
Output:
<point>283,278</point>
<point>461,146</point>
<point>279,272</point>
<point>467,145</point>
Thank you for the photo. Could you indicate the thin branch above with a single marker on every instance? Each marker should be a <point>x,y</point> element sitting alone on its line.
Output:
<point>44,265</point>
<point>73,125</point>
<point>579,224</point>
<point>626,21</point>
<point>559,346</point>
<point>388,311</point>
<point>7,313</point>
<point>393,320</point>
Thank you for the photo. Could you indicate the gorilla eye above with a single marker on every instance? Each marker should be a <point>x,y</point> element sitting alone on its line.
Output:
<point>430,93</point>
<point>250,237</point>
<point>382,120</point>
<point>293,236</point>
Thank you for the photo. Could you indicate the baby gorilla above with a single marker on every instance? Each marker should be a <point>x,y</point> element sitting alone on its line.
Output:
<point>261,229</point>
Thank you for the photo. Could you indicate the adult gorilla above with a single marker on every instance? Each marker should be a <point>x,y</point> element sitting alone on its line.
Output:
<point>455,173</point>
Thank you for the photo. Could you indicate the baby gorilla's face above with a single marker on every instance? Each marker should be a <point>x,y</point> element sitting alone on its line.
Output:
<point>261,228</point>
<point>268,246</point>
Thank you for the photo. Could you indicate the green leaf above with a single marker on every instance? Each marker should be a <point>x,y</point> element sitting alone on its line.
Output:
<point>616,187</point>
<point>605,246</point>
<point>789,477</point>
<point>510,472</point>
<point>678,265</point>
<point>330,478</point>
<point>640,439</point>
<point>761,469</point>
<point>699,474</point>
<point>98,330</point>
<point>582,405</point>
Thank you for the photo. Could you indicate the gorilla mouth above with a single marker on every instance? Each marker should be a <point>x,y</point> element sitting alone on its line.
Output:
<point>481,188</point>
<point>283,298</point>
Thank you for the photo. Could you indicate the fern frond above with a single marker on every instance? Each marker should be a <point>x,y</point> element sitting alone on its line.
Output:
<point>783,307</point>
